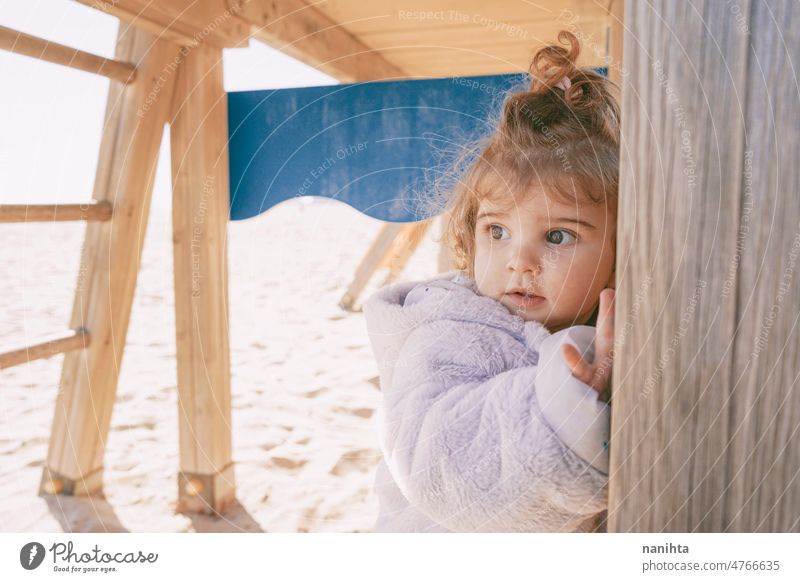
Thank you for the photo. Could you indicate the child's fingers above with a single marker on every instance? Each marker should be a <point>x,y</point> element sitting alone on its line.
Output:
<point>602,374</point>
<point>605,318</point>
<point>604,336</point>
<point>582,370</point>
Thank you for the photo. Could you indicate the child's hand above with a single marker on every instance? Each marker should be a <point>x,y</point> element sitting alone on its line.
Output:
<point>597,373</point>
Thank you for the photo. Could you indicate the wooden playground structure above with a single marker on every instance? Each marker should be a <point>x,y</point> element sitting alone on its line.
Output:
<point>713,434</point>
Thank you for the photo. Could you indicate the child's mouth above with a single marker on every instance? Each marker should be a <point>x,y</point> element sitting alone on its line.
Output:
<point>522,300</point>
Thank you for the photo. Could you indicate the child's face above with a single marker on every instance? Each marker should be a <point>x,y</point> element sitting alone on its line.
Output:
<point>538,246</point>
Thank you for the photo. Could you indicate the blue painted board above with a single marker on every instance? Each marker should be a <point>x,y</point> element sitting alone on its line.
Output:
<point>377,146</point>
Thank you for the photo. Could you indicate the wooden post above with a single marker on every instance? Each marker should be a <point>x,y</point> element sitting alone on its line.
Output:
<point>706,408</point>
<point>134,122</point>
<point>200,212</point>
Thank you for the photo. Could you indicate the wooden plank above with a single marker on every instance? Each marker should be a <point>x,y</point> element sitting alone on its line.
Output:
<point>764,494</point>
<point>184,22</point>
<point>39,48</point>
<point>466,37</point>
<point>134,122</point>
<point>200,215</point>
<point>360,42</point>
<point>307,34</point>
<point>705,418</point>
<point>378,147</point>
<point>46,347</point>
<point>498,17</point>
<point>96,210</point>
<point>438,38</point>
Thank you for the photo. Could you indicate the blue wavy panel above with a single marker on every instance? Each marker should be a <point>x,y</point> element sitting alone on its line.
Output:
<point>377,146</point>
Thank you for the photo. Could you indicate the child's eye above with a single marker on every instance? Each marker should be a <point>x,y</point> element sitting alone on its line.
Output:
<point>496,231</point>
<point>559,236</point>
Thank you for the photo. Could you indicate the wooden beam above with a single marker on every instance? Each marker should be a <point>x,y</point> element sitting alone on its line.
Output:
<point>372,260</point>
<point>705,423</point>
<point>45,347</point>
<point>200,215</point>
<point>38,48</point>
<point>96,210</point>
<point>134,123</point>
<point>184,22</point>
<point>307,34</point>
<point>404,247</point>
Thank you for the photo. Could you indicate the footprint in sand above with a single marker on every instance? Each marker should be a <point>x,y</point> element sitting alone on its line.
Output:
<point>315,393</point>
<point>286,463</point>
<point>361,460</point>
<point>360,412</point>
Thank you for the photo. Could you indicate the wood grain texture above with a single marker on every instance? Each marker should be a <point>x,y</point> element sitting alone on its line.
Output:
<point>304,32</point>
<point>200,214</point>
<point>704,427</point>
<point>442,38</point>
<point>184,22</point>
<point>39,48</point>
<point>95,210</point>
<point>133,126</point>
<point>46,347</point>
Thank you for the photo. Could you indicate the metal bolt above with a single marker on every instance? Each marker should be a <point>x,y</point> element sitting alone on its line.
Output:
<point>194,487</point>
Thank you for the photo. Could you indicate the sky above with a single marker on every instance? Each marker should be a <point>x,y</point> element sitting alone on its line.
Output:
<point>51,116</point>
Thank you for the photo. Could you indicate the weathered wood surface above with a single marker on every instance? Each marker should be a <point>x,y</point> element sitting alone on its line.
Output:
<point>706,405</point>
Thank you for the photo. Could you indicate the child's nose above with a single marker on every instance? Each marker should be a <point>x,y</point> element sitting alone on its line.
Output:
<point>526,259</point>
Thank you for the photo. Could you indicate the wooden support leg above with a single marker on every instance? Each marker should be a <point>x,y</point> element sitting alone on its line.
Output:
<point>404,247</point>
<point>392,248</point>
<point>200,214</point>
<point>376,254</point>
<point>134,123</point>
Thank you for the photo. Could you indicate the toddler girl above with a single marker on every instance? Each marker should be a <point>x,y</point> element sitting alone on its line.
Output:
<point>492,378</point>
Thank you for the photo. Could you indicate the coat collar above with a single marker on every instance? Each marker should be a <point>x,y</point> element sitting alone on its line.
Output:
<point>394,311</point>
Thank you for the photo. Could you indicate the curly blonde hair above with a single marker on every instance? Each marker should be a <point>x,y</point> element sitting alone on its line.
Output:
<point>560,136</point>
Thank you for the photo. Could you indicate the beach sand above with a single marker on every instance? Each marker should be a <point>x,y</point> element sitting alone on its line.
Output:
<point>304,381</point>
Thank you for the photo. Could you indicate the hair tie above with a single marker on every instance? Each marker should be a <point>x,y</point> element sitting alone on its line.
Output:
<point>564,83</point>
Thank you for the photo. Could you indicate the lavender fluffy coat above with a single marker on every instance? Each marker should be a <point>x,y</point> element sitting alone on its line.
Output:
<point>482,426</point>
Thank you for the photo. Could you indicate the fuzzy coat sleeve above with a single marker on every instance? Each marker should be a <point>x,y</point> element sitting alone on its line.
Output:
<point>471,449</point>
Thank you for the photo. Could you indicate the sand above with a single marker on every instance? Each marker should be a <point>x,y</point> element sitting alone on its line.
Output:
<point>304,381</point>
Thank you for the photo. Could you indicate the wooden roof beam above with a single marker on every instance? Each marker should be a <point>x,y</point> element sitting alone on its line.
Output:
<point>184,22</point>
<point>307,34</point>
